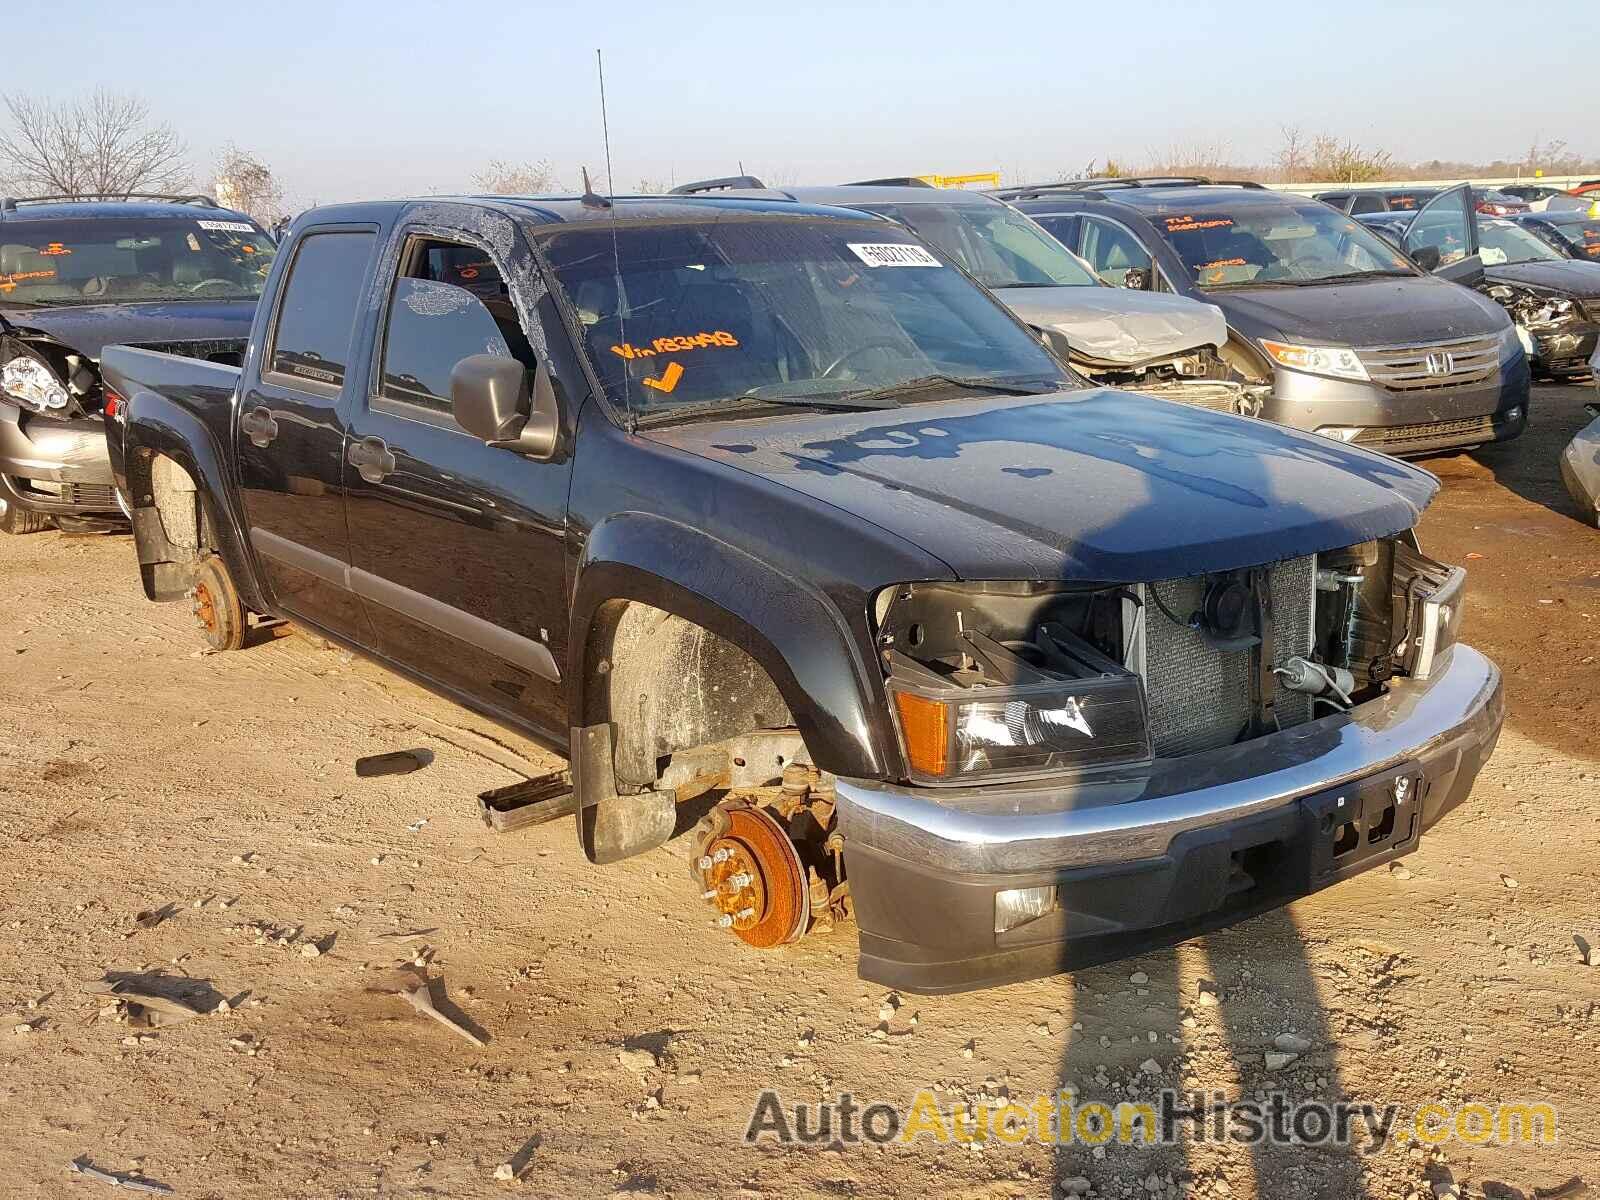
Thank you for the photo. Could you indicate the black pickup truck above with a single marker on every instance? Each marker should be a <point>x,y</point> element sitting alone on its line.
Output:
<point>794,541</point>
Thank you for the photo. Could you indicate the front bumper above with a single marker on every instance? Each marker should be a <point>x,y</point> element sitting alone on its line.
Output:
<point>1405,423</point>
<point>1149,858</point>
<point>56,467</point>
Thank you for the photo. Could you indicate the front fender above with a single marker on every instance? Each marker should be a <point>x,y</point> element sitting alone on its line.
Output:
<point>156,426</point>
<point>800,638</point>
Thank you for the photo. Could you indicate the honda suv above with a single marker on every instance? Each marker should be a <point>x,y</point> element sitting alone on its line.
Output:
<point>1358,341</point>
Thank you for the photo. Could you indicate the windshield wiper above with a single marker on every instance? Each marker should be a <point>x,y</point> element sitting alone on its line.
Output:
<point>1245,283</point>
<point>750,400</point>
<point>922,383</point>
<point>1346,276</point>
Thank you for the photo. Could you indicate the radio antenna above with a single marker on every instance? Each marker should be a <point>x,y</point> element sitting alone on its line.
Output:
<point>616,253</point>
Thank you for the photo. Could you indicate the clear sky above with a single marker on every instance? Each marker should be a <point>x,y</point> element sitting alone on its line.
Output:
<point>356,98</point>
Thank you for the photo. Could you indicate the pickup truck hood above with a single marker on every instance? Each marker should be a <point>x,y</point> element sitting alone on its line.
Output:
<point>90,328</point>
<point>1373,312</point>
<point>1096,486</point>
<point>1567,278</point>
<point>1114,325</point>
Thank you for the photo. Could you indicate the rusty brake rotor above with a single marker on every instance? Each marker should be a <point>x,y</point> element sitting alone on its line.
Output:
<point>753,876</point>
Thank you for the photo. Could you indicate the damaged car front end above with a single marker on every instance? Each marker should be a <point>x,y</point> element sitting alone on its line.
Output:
<point>1098,771</point>
<point>1158,345</point>
<point>1189,667</point>
<point>179,277</point>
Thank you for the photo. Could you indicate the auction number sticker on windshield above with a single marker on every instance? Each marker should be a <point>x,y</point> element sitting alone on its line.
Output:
<point>893,254</point>
<point>675,345</point>
<point>1188,224</point>
<point>228,226</point>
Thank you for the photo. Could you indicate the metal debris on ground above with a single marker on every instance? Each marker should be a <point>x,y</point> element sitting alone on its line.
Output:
<point>131,1182</point>
<point>396,762</point>
<point>154,1010</point>
<point>421,999</point>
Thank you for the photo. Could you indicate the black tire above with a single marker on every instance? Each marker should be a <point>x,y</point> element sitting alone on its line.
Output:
<point>217,607</point>
<point>16,520</point>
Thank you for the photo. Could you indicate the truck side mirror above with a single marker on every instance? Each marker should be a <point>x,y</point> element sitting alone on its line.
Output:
<point>1426,257</point>
<point>489,399</point>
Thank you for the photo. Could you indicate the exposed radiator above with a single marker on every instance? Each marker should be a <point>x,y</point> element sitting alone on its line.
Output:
<point>1199,698</point>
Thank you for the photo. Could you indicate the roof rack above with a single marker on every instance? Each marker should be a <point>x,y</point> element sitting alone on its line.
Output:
<point>894,181</point>
<point>1028,191</point>
<point>11,203</point>
<point>725,184</point>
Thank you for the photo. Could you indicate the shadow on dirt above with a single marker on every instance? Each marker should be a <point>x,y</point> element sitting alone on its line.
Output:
<point>1225,1040</point>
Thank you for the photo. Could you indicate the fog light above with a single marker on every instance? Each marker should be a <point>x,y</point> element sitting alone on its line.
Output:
<point>1018,906</point>
<point>1513,413</point>
<point>1341,433</point>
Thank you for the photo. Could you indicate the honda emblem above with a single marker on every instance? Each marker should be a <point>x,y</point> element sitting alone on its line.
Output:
<point>1440,363</point>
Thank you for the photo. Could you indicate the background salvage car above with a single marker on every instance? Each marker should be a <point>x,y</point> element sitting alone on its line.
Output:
<point>1357,342</point>
<point>172,273</point>
<point>718,493</point>
<point>1577,233</point>
<point>1161,345</point>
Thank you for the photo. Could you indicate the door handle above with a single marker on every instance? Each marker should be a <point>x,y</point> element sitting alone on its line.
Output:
<point>372,458</point>
<point>259,426</point>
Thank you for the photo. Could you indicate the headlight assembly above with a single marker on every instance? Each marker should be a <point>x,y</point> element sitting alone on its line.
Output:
<point>1430,596</point>
<point>30,383</point>
<point>1031,696</point>
<point>1338,362</point>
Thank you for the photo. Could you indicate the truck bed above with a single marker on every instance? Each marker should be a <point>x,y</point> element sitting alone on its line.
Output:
<point>149,381</point>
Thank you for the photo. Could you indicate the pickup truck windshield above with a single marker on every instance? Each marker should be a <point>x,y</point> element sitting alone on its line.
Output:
<point>106,261</point>
<point>998,246</point>
<point>781,308</point>
<point>1505,242</point>
<point>1288,243</point>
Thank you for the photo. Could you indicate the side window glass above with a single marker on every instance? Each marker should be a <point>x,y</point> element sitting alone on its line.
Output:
<point>1112,251</point>
<point>1367,204</point>
<point>1060,228</point>
<point>433,324</point>
<point>311,343</point>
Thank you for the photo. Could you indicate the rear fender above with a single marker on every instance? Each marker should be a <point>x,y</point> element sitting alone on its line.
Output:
<point>158,428</point>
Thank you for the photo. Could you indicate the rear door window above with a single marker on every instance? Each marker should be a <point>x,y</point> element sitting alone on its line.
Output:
<point>317,316</point>
<point>1367,204</point>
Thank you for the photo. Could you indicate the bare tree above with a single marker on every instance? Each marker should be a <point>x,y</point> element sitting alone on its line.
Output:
<point>1206,159</point>
<point>1346,161</point>
<point>653,187</point>
<point>102,145</point>
<point>247,184</point>
<point>1291,155</point>
<point>501,178</point>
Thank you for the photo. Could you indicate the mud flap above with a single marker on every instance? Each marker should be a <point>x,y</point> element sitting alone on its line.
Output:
<point>613,827</point>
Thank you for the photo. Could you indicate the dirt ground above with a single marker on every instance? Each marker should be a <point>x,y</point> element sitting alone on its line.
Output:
<point>627,1040</point>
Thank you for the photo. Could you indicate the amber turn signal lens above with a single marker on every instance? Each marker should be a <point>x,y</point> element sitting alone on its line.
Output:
<point>924,728</point>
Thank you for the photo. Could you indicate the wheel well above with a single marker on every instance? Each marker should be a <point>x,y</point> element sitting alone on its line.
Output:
<point>668,685</point>
<point>172,529</point>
